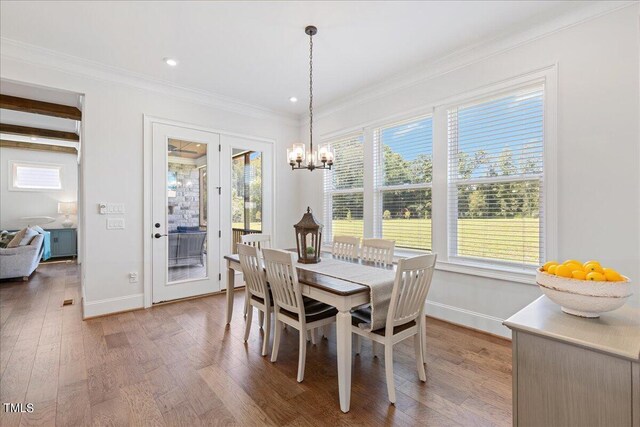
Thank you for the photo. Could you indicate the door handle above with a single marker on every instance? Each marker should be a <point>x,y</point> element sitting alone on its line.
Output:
<point>158,235</point>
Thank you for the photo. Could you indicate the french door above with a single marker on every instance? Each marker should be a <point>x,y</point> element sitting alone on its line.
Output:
<point>186,212</point>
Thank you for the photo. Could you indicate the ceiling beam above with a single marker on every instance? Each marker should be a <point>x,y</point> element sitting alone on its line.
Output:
<point>42,133</point>
<point>37,147</point>
<point>39,107</point>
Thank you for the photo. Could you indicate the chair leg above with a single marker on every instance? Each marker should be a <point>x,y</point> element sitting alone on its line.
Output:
<point>276,339</point>
<point>246,301</point>
<point>376,348</point>
<point>314,336</point>
<point>325,331</point>
<point>417,346</point>
<point>302,356</point>
<point>358,344</point>
<point>267,331</point>
<point>261,318</point>
<point>247,326</point>
<point>423,337</point>
<point>388,368</point>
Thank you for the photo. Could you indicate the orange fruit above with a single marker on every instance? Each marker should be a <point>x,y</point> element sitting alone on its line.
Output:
<point>594,276</point>
<point>612,276</point>
<point>593,267</point>
<point>572,261</point>
<point>563,271</point>
<point>579,274</point>
<point>573,266</point>
<point>546,265</point>
<point>552,269</point>
<point>590,262</point>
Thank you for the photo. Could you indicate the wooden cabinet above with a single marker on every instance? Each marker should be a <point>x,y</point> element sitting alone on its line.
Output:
<point>571,371</point>
<point>64,242</point>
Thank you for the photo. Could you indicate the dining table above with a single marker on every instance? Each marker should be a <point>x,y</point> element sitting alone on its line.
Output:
<point>342,294</point>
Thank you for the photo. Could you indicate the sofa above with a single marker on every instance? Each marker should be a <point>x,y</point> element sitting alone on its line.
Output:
<point>21,261</point>
<point>186,248</point>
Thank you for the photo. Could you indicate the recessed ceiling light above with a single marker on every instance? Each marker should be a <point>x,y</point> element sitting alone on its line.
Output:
<point>197,145</point>
<point>33,138</point>
<point>293,99</point>
<point>170,62</point>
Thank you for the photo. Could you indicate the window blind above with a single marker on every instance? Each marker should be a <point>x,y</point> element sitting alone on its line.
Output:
<point>32,176</point>
<point>344,189</point>
<point>496,170</point>
<point>403,175</point>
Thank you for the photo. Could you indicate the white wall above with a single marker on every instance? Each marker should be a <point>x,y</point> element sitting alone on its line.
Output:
<point>598,151</point>
<point>18,204</point>
<point>112,163</point>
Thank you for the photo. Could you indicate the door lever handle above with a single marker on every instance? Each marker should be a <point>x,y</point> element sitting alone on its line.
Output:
<point>158,235</point>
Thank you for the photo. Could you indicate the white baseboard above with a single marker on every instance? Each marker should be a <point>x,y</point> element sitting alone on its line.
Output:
<point>112,305</point>
<point>468,318</point>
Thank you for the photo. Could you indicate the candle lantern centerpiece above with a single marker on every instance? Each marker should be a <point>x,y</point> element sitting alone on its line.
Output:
<point>308,238</point>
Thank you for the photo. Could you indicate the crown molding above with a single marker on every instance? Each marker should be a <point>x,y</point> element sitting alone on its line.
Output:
<point>39,56</point>
<point>467,56</point>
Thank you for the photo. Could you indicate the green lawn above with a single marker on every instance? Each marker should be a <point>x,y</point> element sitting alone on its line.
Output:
<point>254,225</point>
<point>504,239</point>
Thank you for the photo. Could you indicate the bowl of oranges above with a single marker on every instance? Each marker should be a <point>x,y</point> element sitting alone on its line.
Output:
<point>583,289</point>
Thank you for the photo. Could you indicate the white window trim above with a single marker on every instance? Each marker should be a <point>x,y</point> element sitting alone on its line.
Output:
<point>499,270</point>
<point>13,164</point>
<point>439,183</point>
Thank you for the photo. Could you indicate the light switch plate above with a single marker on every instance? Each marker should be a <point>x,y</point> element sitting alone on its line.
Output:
<point>115,223</point>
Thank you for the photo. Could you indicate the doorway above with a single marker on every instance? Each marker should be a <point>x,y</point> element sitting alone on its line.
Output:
<point>207,189</point>
<point>186,219</point>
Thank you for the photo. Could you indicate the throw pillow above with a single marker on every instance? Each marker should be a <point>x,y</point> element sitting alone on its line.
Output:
<point>5,238</point>
<point>38,229</point>
<point>28,236</point>
<point>15,242</point>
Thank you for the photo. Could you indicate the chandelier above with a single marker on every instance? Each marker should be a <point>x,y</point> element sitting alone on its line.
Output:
<point>297,156</point>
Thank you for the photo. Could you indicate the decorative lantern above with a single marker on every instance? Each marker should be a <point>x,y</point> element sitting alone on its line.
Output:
<point>308,238</point>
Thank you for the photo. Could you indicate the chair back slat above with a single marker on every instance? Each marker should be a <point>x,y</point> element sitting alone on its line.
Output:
<point>260,241</point>
<point>413,279</point>
<point>378,250</point>
<point>283,279</point>
<point>253,271</point>
<point>345,247</point>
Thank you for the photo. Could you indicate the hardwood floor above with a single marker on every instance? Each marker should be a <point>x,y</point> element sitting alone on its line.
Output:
<point>177,364</point>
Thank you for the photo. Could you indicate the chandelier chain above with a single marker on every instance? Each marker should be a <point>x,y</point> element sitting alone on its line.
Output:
<point>311,92</point>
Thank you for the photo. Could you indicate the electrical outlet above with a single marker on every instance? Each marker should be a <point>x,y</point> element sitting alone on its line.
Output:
<point>133,277</point>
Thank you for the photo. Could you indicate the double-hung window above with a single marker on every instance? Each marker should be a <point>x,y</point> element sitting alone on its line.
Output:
<point>403,165</point>
<point>344,189</point>
<point>496,170</point>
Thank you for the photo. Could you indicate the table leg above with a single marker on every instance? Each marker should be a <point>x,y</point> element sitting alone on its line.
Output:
<point>343,340</point>
<point>231,279</point>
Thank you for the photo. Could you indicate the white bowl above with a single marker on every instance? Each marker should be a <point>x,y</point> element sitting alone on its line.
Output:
<point>583,297</point>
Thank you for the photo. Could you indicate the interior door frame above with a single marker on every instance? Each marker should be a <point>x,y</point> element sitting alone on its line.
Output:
<point>147,226</point>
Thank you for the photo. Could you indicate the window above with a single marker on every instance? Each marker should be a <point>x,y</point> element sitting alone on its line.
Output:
<point>35,176</point>
<point>344,190</point>
<point>403,173</point>
<point>246,191</point>
<point>496,153</point>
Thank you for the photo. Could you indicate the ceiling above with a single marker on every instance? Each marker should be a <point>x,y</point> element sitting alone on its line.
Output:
<point>257,52</point>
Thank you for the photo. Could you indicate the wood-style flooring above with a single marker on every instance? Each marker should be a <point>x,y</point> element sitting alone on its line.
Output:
<point>178,364</point>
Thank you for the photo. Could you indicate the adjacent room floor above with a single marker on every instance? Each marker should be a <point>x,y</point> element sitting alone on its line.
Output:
<point>177,364</point>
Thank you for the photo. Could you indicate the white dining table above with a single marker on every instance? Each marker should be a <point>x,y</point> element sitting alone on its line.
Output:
<point>342,294</point>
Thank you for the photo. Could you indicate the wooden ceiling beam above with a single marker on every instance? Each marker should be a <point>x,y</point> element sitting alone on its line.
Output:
<point>39,107</point>
<point>37,147</point>
<point>41,133</point>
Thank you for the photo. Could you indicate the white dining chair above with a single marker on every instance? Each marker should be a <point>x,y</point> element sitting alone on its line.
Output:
<point>259,241</point>
<point>345,247</point>
<point>289,306</point>
<point>378,250</point>
<point>257,290</point>
<point>404,318</point>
